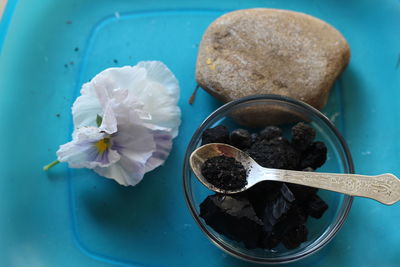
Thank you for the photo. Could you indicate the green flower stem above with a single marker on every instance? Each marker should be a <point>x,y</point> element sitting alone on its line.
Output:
<point>47,167</point>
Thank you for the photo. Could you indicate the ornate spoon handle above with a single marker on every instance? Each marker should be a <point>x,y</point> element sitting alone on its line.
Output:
<point>384,188</point>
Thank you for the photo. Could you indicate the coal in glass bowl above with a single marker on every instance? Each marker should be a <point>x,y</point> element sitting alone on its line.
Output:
<point>254,113</point>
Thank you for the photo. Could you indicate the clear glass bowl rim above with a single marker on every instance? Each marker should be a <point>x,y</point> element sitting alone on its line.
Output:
<point>347,201</point>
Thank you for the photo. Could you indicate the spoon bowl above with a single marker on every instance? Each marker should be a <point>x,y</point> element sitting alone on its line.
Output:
<point>200,155</point>
<point>384,188</point>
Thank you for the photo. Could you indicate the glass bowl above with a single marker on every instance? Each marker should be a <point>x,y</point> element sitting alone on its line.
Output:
<point>285,111</point>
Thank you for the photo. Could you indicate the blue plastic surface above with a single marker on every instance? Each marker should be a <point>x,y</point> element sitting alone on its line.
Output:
<point>75,218</point>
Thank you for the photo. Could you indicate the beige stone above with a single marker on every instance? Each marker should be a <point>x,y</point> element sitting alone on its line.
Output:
<point>271,51</point>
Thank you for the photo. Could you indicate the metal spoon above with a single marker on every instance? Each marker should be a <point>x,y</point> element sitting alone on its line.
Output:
<point>384,188</point>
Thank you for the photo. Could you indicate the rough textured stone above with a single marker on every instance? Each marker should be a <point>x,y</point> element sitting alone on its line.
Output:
<point>270,51</point>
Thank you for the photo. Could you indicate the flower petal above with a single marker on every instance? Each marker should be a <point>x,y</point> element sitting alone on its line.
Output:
<point>162,108</point>
<point>163,141</point>
<point>122,99</point>
<point>122,78</point>
<point>135,143</point>
<point>113,79</point>
<point>109,123</point>
<point>160,73</point>
<point>85,110</point>
<point>125,172</point>
<point>160,94</point>
<point>106,158</point>
<point>81,152</point>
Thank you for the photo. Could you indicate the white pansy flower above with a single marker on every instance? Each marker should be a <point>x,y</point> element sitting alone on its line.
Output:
<point>125,120</point>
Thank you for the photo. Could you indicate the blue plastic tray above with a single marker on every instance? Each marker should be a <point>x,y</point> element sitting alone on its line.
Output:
<point>74,218</point>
